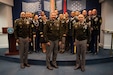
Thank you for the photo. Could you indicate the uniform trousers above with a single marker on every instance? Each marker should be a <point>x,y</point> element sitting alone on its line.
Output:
<point>81,52</point>
<point>70,43</point>
<point>94,43</point>
<point>52,50</point>
<point>23,49</point>
<point>62,46</point>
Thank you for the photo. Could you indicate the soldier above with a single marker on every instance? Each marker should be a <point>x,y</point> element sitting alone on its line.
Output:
<point>89,18</point>
<point>81,35</point>
<point>37,32</point>
<point>76,14</point>
<point>22,31</point>
<point>73,20</point>
<point>63,28</point>
<point>69,38</point>
<point>89,21</point>
<point>56,11</point>
<point>41,14</point>
<point>95,31</point>
<point>84,12</point>
<point>52,36</point>
<point>29,17</point>
<point>42,40</point>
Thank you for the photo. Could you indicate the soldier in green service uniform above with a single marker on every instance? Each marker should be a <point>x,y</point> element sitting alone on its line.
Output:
<point>81,35</point>
<point>95,31</point>
<point>22,31</point>
<point>29,17</point>
<point>52,36</point>
<point>64,29</point>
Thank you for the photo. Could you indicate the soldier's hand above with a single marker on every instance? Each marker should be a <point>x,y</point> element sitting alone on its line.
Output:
<point>64,34</point>
<point>91,29</point>
<point>29,39</point>
<point>42,35</point>
<point>41,32</point>
<point>87,45</point>
<point>34,36</point>
<point>60,42</point>
<point>74,43</point>
<point>48,43</point>
<point>17,41</point>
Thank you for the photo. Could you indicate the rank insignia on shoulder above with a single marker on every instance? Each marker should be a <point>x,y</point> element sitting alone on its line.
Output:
<point>32,25</point>
<point>76,25</point>
<point>85,26</point>
<point>50,24</point>
<point>96,19</point>
<point>62,21</point>
<point>40,20</point>
<point>15,21</point>
<point>73,21</point>
<point>27,22</point>
<point>67,21</point>
<point>20,26</point>
<point>57,25</point>
<point>100,21</point>
<point>20,23</point>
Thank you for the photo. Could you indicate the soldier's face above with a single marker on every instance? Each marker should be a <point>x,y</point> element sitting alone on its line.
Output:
<point>81,18</point>
<point>44,17</point>
<point>89,13</point>
<point>77,13</point>
<point>36,17</point>
<point>42,13</point>
<point>22,15</point>
<point>94,11</point>
<point>53,15</point>
<point>28,14</point>
<point>72,14</point>
<point>61,16</point>
<point>56,11</point>
<point>84,13</point>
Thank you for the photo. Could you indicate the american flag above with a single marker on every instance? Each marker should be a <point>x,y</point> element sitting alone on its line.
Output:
<point>59,5</point>
<point>47,5</point>
<point>31,5</point>
<point>74,5</point>
<point>39,5</point>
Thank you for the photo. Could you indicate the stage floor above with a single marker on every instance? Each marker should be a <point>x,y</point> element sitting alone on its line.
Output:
<point>65,56</point>
<point>63,59</point>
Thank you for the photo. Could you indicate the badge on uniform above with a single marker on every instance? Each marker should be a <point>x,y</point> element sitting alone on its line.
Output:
<point>20,26</point>
<point>40,20</point>
<point>85,27</point>
<point>27,22</point>
<point>50,24</point>
<point>67,21</point>
<point>100,21</point>
<point>62,21</point>
<point>76,26</point>
<point>57,25</point>
<point>96,19</point>
<point>20,23</point>
<point>32,25</point>
<point>89,23</point>
<point>73,21</point>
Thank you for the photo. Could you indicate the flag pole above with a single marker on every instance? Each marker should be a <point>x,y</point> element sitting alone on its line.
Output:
<point>52,6</point>
<point>65,6</point>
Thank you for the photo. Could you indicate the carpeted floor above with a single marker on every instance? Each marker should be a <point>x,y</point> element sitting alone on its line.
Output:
<point>11,68</point>
<point>103,64</point>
